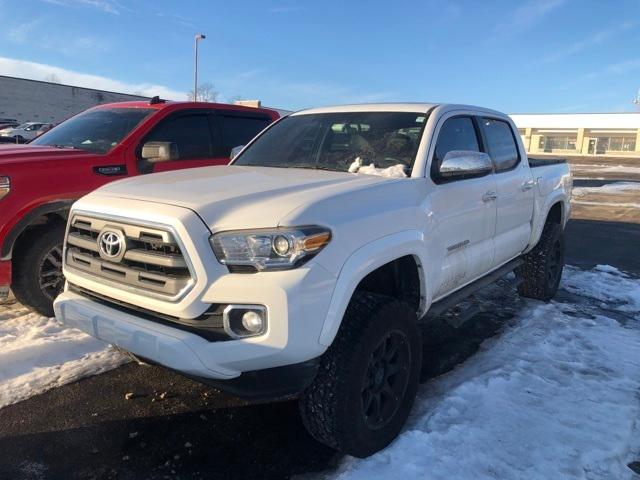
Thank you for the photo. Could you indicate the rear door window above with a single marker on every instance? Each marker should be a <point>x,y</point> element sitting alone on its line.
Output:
<point>501,144</point>
<point>238,129</point>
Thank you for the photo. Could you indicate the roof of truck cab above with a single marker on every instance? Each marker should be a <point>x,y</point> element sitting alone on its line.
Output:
<point>396,107</point>
<point>371,107</point>
<point>184,105</point>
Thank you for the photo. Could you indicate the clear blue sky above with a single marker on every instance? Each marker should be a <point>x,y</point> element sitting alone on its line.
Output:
<point>516,56</point>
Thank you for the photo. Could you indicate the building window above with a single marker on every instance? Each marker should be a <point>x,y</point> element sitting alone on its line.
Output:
<point>622,144</point>
<point>553,143</point>
<point>602,145</point>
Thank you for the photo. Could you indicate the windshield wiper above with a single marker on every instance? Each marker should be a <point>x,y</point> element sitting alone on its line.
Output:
<point>57,145</point>
<point>315,167</point>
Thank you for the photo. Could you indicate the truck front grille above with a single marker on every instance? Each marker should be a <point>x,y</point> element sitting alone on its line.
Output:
<point>148,260</point>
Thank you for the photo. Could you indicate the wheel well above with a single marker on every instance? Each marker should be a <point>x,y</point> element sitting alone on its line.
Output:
<point>44,221</point>
<point>399,278</point>
<point>555,214</point>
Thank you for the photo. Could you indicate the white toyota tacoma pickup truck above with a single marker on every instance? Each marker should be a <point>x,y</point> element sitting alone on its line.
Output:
<point>305,266</point>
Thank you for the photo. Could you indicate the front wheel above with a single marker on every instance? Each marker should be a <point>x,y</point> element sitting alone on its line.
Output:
<point>540,275</point>
<point>37,272</point>
<point>368,378</point>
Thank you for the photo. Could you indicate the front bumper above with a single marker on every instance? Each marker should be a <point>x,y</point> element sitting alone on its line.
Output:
<point>297,302</point>
<point>168,346</point>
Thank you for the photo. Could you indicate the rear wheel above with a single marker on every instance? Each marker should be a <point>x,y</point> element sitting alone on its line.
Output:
<point>540,275</point>
<point>368,378</point>
<point>37,272</point>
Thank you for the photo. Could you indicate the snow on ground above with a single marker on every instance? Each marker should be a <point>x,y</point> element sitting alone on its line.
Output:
<point>38,353</point>
<point>609,188</point>
<point>607,204</point>
<point>604,168</point>
<point>556,395</point>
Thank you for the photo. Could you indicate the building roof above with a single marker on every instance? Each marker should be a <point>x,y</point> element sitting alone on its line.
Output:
<point>57,84</point>
<point>577,120</point>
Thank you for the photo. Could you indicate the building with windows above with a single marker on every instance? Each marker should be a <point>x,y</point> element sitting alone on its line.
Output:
<point>612,134</point>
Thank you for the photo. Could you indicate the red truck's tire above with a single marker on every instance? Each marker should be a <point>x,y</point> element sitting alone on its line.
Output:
<point>37,270</point>
<point>540,275</point>
<point>339,408</point>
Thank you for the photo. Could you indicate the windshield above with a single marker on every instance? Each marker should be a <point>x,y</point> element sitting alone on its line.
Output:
<point>334,141</point>
<point>96,131</point>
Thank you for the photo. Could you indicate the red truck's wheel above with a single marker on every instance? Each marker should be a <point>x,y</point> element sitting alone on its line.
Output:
<point>37,273</point>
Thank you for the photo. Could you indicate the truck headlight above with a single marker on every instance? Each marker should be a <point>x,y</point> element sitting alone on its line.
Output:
<point>5,186</point>
<point>270,249</point>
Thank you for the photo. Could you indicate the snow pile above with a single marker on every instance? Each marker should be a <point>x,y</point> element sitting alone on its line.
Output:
<point>38,353</point>
<point>604,168</point>
<point>395,171</point>
<point>610,204</point>
<point>557,395</point>
<point>610,188</point>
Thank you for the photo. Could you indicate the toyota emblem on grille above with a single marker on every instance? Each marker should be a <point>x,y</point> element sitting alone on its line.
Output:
<point>111,244</point>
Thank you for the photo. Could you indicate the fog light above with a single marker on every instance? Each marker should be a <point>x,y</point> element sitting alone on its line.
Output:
<point>252,321</point>
<point>242,321</point>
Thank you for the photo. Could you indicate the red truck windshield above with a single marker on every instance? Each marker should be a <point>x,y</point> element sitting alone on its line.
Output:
<point>96,131</point>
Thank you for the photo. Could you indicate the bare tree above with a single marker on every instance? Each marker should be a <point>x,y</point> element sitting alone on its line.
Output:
<point>53,78</point>
<point>206,93</point>
<point>235,98</point>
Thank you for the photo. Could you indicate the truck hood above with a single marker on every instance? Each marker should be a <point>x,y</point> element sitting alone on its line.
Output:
<point>18,154</point>
<point>234,197</point>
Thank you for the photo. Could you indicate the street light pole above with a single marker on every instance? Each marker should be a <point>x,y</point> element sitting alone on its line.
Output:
<point>199,37</point>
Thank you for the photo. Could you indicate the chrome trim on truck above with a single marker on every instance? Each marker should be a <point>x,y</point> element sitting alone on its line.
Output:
<point>153,262</point>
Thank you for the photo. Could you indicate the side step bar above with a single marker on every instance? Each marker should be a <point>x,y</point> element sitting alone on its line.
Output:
<point>441,306</point>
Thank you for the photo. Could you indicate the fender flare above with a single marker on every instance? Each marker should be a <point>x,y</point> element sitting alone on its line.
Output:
<point>364,261</point>
<point>59,206</point>
<point>559,196</point>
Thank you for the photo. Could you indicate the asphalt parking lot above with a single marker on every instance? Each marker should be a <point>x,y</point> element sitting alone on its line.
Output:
<point>175,428</point>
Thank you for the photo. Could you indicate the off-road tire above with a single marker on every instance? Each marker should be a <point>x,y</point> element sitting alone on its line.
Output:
<point>27,266</point>
<point>540,275</point>
<point>333,407</point>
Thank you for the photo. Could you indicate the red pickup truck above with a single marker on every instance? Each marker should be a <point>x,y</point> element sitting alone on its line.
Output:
<point>40,181</point>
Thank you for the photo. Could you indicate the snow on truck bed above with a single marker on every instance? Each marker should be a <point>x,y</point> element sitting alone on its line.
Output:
<point>555,395</point>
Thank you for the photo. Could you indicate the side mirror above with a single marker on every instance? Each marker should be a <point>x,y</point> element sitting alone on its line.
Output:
<point>465,163</point>
<point>154,152</point>
<point>235,151</point>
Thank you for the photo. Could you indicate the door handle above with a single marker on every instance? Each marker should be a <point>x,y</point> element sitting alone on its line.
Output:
<point>489,197</point>
<point>528,185</point>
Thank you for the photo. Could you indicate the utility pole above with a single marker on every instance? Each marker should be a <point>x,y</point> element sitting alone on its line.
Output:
<point>199,37</point>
